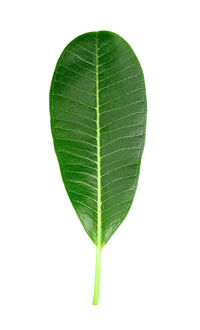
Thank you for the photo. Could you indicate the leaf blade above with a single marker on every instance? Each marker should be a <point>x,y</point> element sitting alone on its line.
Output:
<point>98,118</point>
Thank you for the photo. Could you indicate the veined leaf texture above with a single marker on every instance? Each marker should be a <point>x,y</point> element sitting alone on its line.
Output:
<point>98,120</point>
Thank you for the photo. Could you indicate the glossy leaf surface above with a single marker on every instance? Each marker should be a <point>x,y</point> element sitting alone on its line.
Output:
<point>98,115</point>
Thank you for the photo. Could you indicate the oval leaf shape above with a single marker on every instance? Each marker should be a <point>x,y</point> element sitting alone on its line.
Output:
<point>98,119</point>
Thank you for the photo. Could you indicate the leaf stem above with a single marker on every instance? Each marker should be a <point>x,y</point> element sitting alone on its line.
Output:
<point>97,276</point>
<point>98,253</point>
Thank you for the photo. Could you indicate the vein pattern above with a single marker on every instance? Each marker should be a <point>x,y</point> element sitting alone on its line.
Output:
<point>98,118</point>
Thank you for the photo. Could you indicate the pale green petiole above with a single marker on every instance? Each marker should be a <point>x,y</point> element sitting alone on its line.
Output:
<point>97,276</point>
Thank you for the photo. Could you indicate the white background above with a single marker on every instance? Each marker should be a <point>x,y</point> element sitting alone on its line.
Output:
<point>151,266</point>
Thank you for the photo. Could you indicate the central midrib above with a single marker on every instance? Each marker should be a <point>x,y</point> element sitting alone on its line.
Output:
<point>98,152</point>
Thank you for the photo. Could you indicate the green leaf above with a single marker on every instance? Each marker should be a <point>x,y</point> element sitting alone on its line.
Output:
<point>98,117</point>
